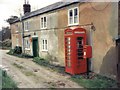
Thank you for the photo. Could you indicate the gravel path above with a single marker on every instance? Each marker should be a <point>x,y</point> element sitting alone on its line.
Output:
<point>28,74</point>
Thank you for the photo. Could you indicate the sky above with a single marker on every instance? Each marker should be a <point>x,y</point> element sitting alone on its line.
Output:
<point>15,7</point>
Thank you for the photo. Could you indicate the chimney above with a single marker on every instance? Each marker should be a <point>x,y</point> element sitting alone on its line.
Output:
<point>26,7</point>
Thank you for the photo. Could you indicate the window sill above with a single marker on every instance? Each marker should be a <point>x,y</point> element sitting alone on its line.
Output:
<point>28,49</point>
<point>43,28</point>
<point>44,50</point>
<point>76,24</point>
<point>16,31</point>
<point>26,30</point>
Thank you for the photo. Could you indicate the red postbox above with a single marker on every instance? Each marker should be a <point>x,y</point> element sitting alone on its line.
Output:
<point>76,51</point>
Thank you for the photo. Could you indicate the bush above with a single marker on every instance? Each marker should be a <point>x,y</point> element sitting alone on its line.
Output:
<point>6,43</point>
<point>18,50</point>
<point>41,61</point>
<point>19,53</point>
<point>11,52</point>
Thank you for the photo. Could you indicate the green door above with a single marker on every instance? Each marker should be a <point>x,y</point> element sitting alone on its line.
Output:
<point>35,47</point>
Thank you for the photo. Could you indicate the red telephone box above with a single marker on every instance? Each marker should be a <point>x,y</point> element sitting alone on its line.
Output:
<point>76,51</point>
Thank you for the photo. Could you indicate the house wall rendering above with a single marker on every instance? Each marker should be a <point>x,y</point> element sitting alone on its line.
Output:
<point>49,28</point>
<point>106,29</point>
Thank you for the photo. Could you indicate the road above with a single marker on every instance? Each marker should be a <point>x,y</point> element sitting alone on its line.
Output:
<point>28,74</point>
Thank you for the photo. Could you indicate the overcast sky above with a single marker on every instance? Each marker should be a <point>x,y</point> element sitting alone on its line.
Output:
<point>14,7</point>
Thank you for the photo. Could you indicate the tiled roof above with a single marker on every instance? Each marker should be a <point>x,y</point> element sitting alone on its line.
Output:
<point>49,8</point>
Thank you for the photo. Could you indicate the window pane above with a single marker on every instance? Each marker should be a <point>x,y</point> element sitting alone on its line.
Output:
<point>71,20</point>
<point>75,19</point>
<point>75,12</point>
<point>41,19</point>
<point>27,42</point>
<point>24,25</point>
<point>44,19</point>
<point>27,26</point>
<point>43,44</point>
<point>46,46</point>
<point>45,41</point>
<point>45,22</point>
<point>71,17</point>
<point>42,22</point>
<point>43,47</point>
<point>76,15</point>
<point>41,25</point>
<point>70,13</point>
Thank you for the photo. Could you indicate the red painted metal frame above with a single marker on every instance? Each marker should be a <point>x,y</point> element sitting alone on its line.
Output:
<point>76,66</point>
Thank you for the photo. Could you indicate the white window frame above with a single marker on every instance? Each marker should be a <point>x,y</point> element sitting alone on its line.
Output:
<point>73,17</point>
<point>44,46</point>
<point>42,24</point>
<point>27,44</point>
<point>17,41</point>
<point>26,25</point>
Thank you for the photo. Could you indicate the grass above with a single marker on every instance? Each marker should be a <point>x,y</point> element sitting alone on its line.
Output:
<point>47,64</point>
<point>7,81</point>
<point>18,66</point>
<point>28,73</point>
<point>23,69</point>
<point>97,81</point>
<point>52,86</point>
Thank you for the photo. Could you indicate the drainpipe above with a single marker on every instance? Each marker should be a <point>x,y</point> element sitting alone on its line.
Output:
<point>23,51</point>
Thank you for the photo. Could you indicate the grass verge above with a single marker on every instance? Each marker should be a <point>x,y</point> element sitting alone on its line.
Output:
<point>18,66</point>
<point>97,81</point>
<point>49,65</point>
<point>7,81</point>
<point>23,69</point>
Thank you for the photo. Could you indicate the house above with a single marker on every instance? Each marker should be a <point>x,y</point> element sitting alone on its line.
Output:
<point>44,32</point>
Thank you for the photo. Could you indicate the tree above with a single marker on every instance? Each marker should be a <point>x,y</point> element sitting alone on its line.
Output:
<point>5,33</point>
<point>11,19</point>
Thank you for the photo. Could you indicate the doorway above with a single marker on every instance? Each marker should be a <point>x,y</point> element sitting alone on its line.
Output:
<point>35,47</point>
